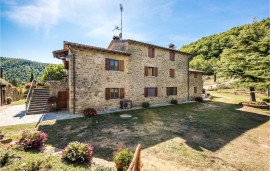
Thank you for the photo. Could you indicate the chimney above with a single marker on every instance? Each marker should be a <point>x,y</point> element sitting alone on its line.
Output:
<point>116,38</point>
<point>171,46</point>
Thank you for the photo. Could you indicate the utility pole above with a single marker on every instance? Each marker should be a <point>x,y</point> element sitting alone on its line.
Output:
<point>121,9</point>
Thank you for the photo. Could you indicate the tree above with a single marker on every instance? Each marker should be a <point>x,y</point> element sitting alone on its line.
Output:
<point>31,77</point>
<point>53,72</point>
<point>15,82</point>
<point>248,59</point>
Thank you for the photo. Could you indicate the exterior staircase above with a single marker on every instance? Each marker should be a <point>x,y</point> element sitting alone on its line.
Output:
<point>38,101</point>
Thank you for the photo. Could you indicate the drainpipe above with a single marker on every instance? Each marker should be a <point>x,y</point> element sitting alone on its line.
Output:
<point>188,79</point>
<point>74,80</point>
<point>1,76</point>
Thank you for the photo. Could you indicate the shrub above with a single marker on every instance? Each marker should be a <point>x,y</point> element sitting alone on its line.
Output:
<point>88,112</point>
<point>198,99</point>
<point>266,99</point>
<point>174,101</point>
<point>123,158</point>
<point>145,104</point>
<point>25,91</point>
<point>4,157</point>
<point>27,85</point>
<point>210,97</point>
<point>78,152</point>
<point>34,165</point>
<point>9,100</point>
<point>52,100</point>
<point>31,140</point>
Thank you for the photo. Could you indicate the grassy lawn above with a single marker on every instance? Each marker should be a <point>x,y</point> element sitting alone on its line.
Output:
<point>218,134</point>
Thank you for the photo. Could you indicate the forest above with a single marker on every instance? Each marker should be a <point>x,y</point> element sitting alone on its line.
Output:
<point>241,53</point>
<point>20,71</point>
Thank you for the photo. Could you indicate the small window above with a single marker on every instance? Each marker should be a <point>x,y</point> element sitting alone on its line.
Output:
<point>172,73</point>
<point>114,65</point>
<point>171,91</point>
<point>172,56</point>
<point>114,93</point>
<point>195,89</point>
<point>195,75</point>
<point>150,92</point>
<point>151,52</point>
<point>151,71</point>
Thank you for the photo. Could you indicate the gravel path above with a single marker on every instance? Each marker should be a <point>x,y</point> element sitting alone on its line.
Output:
<point>15,115</point>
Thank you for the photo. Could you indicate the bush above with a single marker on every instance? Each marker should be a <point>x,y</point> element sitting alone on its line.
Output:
<point>34,165</point>
<point>25,91</point>
<point>174,101</point>
<point>9,100</point>
<point>31,140</point>
<point>145,104</point>
<point>210,97</point>
<point>78,152</point>
<point>88,112</point>
<point>198,99</point>
<point>266,99</point>
<point>123,158</point>
<point>27,85</point>
<point>4,158</point>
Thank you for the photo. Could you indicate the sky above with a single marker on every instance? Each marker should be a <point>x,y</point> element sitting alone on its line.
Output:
<point>32,29</point>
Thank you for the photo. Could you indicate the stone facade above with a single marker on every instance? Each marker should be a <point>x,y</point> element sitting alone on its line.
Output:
<point>56,86</point>
<point>92,79</point>
<point>195,84</point>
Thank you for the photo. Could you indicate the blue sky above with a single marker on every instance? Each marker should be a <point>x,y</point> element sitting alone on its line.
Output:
<point>32,29</point>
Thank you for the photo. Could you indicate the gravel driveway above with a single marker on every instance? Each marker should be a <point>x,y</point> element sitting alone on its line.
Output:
<point>15,115</point>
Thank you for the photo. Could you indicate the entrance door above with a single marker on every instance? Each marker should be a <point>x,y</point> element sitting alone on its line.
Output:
<point>62,99</point>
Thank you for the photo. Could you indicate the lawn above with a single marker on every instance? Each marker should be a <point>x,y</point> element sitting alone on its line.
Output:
<point>217,135</point>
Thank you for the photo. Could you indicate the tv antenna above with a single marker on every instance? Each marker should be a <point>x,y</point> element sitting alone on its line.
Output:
<point>117,27</point>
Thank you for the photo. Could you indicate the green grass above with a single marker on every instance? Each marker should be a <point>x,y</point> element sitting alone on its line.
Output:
<point>19,102</point>
<point>207,125</point>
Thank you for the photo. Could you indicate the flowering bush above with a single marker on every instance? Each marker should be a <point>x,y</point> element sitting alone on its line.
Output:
<point>123,158</point>
<point>89,112</point>
<point>78,152</point>
<point>30,140</point>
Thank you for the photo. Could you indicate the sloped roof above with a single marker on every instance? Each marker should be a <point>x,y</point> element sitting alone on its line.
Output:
<point>194,70</point>
<point>96,48</point>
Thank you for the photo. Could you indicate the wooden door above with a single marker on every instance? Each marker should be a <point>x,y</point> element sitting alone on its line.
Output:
<point>62,99</point>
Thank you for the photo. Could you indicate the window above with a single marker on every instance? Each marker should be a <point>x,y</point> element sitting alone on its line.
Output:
<point>195,75</point>
<point>171,91</point>
<point>172,56</point>
<point>172,73</point>
<point>195,89</point>
<point>114,93</point>
<point>151,52</point>
<point>114,65</point>
<point>150,71</point>
<point>150,92</point>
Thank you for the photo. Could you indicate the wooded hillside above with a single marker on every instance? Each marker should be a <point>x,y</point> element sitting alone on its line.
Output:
<point>19,70</point>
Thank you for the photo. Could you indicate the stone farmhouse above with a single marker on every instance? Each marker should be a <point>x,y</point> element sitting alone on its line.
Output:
<point>125,74</point>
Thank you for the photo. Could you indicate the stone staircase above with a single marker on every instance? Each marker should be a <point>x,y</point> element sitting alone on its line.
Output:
<point>38,102</point>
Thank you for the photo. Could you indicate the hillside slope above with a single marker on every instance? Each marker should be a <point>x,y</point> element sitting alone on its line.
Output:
<point>20,69</point>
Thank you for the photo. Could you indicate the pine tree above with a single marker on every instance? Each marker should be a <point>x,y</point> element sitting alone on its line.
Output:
<point>31,77</point>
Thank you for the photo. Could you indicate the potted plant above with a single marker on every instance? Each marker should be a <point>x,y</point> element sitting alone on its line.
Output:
<point>122,159</point>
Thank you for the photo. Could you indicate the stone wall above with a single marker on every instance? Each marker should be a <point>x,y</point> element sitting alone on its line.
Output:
<point>55,86</point>
<point>195,82</point>
<point>12,92</point>
<point>92,79</point>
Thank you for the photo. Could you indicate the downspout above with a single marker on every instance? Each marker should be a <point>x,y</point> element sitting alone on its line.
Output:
<point>74,80</point>
<point>188,79</point>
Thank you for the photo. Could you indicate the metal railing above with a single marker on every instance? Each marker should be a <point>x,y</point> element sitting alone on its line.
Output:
<point>29,95</point>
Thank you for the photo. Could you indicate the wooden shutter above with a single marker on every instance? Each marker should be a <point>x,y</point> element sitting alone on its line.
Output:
<point>156,92</point>
<point>172,73</point>
<point>168,91</point>
<point>107,93</point>
<point>156,71</point>
<point>175,90</point>
<point>121,65</point>
<point>107,64</point>
<point>122,93</point>
<point>145,71</point>
<point>150,52</point>
<point>172,56</point>
<point>153,52</point>
<point>145,92</point>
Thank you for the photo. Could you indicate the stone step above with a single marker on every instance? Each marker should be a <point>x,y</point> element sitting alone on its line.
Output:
<point>36,112</point>
<point>32,109</point>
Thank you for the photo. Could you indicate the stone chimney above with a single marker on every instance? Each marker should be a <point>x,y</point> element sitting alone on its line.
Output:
<point>116,38</point>
<point>171,46</point>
